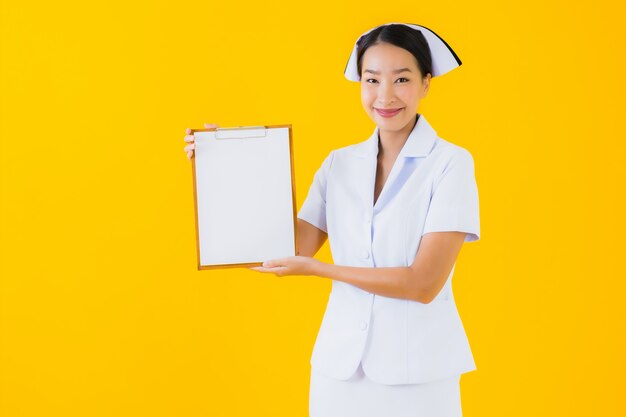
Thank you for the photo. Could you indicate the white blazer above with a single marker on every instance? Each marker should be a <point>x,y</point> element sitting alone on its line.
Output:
<point>430,188</point>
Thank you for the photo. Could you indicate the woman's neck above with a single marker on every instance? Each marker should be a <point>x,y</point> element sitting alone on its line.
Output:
<point>391,142</point>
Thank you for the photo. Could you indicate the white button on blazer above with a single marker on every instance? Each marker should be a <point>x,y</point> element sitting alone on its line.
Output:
<point>431,188</point>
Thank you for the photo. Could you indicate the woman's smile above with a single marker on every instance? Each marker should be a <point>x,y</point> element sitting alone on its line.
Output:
<point>388,112</point>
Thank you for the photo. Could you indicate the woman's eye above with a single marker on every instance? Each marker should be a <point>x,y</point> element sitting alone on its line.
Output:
<point>372,80</point>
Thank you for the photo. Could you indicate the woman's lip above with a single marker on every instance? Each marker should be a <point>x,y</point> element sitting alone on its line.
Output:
<point>388,112</point>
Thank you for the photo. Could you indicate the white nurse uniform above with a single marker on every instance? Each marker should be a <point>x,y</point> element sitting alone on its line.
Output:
<point>372,350</point>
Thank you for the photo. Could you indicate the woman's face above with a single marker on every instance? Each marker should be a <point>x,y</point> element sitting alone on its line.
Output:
<point>390,80</point>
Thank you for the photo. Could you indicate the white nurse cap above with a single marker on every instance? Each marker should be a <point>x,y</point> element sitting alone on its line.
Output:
<point>444,59</point>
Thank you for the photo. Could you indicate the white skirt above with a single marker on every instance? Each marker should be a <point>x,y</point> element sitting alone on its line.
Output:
<point>359,396</point>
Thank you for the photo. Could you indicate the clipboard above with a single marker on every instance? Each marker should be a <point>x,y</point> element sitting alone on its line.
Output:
<point>244,195</point>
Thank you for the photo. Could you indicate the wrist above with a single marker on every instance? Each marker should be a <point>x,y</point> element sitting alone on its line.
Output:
<point>321,269</point>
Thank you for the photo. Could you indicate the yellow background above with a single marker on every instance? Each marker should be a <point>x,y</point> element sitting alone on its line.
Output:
<point>103,310</point>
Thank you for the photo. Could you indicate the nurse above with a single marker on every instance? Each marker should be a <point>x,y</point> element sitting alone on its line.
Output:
<point>396,209</point>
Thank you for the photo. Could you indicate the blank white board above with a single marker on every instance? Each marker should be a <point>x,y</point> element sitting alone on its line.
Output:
<point>244,195</point>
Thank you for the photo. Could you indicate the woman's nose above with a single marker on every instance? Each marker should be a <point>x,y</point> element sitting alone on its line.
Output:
<point>385,102</point>
<point>385,96</point>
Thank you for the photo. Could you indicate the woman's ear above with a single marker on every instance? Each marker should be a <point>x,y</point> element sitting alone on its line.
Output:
<point>426,82</point>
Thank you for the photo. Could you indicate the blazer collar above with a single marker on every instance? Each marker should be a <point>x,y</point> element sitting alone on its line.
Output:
<point>419,143</point>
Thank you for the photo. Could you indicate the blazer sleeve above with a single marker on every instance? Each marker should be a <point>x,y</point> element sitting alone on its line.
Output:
<point>454,200</point>
<point>313,209</point>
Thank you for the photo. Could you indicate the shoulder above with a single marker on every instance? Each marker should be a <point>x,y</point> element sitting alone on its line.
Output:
<point>448,151</point>
<point>450,163</point>
<point>447,156</point>
<point>355,149</point>
<point>345,154</point>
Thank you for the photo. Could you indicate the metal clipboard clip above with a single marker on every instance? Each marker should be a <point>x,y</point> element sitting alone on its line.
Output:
<point>241,132</point>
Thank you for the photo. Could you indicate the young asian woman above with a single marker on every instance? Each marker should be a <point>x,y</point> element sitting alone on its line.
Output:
<point>396,209</point>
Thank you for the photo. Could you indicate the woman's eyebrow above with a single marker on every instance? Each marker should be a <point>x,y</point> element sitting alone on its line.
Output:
<point>398,71</point>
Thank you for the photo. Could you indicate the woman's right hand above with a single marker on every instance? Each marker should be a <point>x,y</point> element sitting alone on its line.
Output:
<point>189,138</point>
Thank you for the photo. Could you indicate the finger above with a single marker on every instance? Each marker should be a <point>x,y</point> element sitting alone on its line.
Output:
<point>190,147</point>
<point>188,131</point>
<point>190,138</point>
<point>280,271</point>
<point>189,154</point>
<point>211,125</point>
<point>275,262</point>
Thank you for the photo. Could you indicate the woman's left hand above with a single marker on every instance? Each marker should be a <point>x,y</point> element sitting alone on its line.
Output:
<point>292,265</point>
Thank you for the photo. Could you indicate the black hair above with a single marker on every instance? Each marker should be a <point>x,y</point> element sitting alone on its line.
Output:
<point>402,36</point>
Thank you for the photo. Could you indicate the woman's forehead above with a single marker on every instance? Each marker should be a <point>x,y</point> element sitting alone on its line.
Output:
<point>388,58</point>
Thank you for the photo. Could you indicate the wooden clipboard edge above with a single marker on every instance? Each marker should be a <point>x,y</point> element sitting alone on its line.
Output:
<point>293,199</point>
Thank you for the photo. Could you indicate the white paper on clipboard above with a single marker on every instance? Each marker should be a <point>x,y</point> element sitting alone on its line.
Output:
<point>245,196</point>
